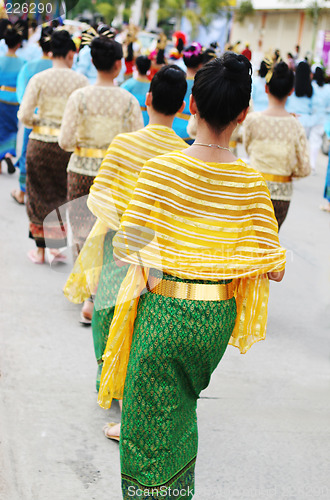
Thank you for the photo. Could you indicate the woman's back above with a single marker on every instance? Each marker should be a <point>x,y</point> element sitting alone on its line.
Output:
<point>275,144</point>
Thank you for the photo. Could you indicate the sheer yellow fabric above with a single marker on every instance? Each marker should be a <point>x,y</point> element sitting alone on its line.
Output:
<point>109,196</point>
<point>85,275</point>
<point>196,221</point>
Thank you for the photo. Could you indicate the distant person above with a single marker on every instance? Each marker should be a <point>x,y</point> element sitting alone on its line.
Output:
<point>10,66</point>
<point>259,96</point>
<point>326,205</point>
<point>296,55</point>
<point>276,142</point>
<point>193,58</point>
<point>300,102</point>
<point>30,69</point>
<point>46,162</point>
<point>320,110</point>
<point>291,61</point>
<point>247,52</point>
<point>139,85</point>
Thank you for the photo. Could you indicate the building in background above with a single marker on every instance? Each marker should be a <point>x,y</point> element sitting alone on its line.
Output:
<point>282,24</point>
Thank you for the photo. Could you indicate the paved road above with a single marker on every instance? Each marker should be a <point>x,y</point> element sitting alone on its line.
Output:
<point>264,420</point>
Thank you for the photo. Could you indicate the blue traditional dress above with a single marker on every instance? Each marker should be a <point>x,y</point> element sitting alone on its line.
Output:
<point>29,69</point>
<point>302,107</point>
<point>259,96</point>
<point>139,89</point>
<point>181,120</point>
<point>9,69</point>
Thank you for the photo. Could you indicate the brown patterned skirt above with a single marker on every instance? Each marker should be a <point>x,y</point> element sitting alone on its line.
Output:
<point>281,208</point>
<point>80,217</point>
<point>46,188</point>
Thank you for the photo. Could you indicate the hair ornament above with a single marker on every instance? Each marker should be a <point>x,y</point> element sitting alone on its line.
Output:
<point>90,34</point>
<point>195,50</point>
<point>270,64</point>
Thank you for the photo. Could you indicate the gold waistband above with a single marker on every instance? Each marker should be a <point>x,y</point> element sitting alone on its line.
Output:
<point>276,178</point>
<point>190,291</point>
<point>143,108</point>
<point>184,116</point>
<point>46,131</point>
<point>90,152</point>
<point>8,89</point>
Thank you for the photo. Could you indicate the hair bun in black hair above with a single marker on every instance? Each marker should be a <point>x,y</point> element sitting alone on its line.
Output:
<point>61,43</point>
<point>235,65</point>
<point>281,70</point>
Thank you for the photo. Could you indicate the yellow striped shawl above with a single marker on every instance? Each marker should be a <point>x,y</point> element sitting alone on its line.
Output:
<point>109,196</point>
<point>194,220</point>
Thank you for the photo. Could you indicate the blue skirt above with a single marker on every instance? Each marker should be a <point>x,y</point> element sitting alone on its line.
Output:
<point>327,182</point>
<point>8,128</point>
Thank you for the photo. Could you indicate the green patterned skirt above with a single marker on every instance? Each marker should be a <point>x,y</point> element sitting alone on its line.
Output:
<point>111,279</point>
<point>176,346</point>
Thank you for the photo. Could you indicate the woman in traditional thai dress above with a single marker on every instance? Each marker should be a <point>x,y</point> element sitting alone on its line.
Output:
<point>320,113</point>
<point>201,237</point>
<point>30,69</point>
<point>276,141</point>
<point>93,116</point>
<point>10,66</point>
<point>193,58</point>
<point>116,181</point>
<point>300,101</point>
<point>46,162</point>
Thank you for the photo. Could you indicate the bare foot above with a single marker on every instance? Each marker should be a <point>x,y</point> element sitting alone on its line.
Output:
<point>87,309</point>
<point>18,196</point>
<point>112,431</point>
<point>37,256</point>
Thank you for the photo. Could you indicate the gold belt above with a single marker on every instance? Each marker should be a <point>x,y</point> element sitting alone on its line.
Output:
<point>143,108</point>
<point>190,291</point>
<point>184,116</point>
<point>276,178</point>
<point>90,152</point>
<point>46,131</point>
<point>8,89</point>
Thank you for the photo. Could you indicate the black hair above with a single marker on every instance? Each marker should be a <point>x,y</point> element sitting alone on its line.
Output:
<point>303,85</point>
<point>282,81</point>
<point>263,70</point>
<point>160,59</point>
<point>192,61</point>
<point>222,89</point>
<point>180,45</point>
<point>45,38</point>
<point>319,76</point>
<point>143,64</point>
<point>23,26</point>
<point>105,52</point>
<point>61,43</point>
<point>12,36</point>
<point>3,26</point>
<point>208,55</point>
<point>290,55</point>
<point>168,88</point>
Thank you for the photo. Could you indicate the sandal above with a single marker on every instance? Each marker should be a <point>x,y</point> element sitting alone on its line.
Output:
<point>10,165</point>
<point>32,256</point>
<point>107,427</point>
<point>13,194</point>
<point>86,316</point>
<point>325,208</point>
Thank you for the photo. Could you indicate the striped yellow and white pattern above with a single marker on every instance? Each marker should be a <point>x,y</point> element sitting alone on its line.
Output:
<point>109,196</point>
<point>194,220</point>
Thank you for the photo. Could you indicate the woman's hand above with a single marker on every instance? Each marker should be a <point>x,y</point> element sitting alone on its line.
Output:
<point>276,275</point>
